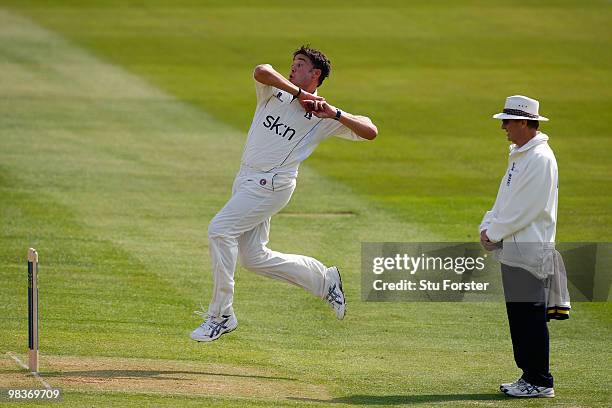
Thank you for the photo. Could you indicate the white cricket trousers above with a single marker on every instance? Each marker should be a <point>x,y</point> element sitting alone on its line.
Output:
<point>241,230</point>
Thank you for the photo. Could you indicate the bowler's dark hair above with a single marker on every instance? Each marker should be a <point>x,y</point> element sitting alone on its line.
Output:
<point>533,124</point>
<point>318,59</point>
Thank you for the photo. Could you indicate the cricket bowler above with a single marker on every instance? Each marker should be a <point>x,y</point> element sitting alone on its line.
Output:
<point>290,120</point>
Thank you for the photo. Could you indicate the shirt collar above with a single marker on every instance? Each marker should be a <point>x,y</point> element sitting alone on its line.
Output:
<point>538,139</point>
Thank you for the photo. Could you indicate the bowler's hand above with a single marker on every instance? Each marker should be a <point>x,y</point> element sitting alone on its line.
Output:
<point>325,111</point>
<point>486,243</point>
<point>322,109</point>
<point>309,101</point>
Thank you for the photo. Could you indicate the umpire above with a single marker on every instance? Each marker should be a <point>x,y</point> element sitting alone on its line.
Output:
<point>521,228</point>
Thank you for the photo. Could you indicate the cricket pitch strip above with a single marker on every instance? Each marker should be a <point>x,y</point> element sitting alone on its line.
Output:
<point>168,377</point>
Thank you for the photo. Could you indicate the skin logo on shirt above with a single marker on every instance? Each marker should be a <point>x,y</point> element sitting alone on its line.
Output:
<point>279,128</point>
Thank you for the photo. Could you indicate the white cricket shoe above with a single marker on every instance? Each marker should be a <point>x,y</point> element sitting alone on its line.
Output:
<point>525,390</point>
<point>214,327</point>
<point>503,386</point>
<point>334,294</point>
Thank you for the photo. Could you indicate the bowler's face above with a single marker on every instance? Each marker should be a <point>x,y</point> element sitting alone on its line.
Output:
<point>302,71</point>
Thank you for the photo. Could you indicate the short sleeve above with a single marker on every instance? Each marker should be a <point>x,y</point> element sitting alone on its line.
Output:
<point>263,91</point>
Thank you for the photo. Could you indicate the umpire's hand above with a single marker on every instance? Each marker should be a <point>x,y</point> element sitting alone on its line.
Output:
<point>487,244</point>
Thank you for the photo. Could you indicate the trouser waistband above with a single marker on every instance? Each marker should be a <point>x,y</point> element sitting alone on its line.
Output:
<point>246,170</point>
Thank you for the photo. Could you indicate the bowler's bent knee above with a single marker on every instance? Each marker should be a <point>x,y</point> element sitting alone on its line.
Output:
<point>253,258</point>
<point>217,229</point>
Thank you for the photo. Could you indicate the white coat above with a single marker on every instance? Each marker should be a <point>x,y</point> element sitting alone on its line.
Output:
<point>524,215</point>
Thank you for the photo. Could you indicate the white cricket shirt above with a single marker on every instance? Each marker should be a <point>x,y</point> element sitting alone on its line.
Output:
<point>283,135</point>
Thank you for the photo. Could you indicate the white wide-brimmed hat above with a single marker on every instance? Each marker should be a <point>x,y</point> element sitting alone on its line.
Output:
<point>520,107</point>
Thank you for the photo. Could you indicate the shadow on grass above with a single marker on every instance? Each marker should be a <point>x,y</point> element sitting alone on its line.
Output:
<point>405,399</point>
<point>155,374</point>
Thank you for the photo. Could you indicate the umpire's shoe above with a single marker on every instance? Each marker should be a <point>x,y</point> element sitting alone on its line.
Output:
<point>214,327</point>
<point>523,389</point>
<point>333,292</point>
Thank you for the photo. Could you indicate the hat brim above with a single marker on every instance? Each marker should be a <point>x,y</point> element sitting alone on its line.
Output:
<point>506,116</point>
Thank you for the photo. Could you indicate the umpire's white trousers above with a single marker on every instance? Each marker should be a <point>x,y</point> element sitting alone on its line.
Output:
<point>241,229</point>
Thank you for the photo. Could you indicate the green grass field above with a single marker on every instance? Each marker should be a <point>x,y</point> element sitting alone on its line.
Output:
<point>121,128</point>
